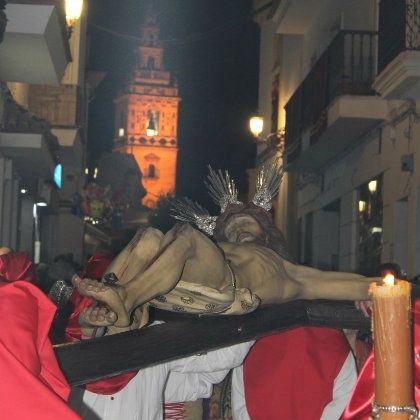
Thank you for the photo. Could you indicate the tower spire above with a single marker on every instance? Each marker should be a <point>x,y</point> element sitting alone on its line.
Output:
<point>149,28</point>
<point>147,113</point>
<point>150,14</point>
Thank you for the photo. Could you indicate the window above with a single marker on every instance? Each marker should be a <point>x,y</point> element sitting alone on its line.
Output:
<point>150,63</point>
<point>151,171</point>
<point>152,123</point>
<point>369,210</point>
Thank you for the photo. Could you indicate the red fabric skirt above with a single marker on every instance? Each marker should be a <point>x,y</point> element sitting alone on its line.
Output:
<point>290,375</point>
<point>32,385</point>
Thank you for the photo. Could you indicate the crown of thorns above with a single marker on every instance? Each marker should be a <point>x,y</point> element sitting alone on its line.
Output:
<point>222,190</point>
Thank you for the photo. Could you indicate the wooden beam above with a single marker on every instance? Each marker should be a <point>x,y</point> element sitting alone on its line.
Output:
<point>185,335</point>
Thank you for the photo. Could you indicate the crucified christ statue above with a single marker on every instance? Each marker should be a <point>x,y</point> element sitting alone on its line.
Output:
<point>184,270</point>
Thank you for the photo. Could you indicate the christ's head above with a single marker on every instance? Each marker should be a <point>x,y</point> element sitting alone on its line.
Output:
<point>250,223</point>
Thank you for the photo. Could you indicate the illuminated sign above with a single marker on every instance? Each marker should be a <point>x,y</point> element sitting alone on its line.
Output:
<point>58,170</point>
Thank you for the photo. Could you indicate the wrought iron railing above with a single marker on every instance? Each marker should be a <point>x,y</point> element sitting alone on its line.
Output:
<point>347,66</point>
<point>399,29</point>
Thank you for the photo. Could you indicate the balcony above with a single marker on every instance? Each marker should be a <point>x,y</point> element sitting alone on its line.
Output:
<point>334,105</point>
<point>399,49</point>
<point>35,47</point>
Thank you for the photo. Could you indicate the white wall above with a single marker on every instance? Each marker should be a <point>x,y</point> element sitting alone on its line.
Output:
<point>400,234</point>
<point>291,67</point>
<point>9,209</point>
<point>62,234</point>
<point>267,69</point>
<point>326,237</point>
<point>26,226</point>
<point>379,153</point>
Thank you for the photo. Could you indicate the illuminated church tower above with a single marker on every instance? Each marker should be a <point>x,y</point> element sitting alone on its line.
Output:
<point>147,114</point>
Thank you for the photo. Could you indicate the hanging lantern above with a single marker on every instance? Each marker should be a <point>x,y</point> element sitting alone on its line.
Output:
<point>256,125</point>
<point>74,10</point>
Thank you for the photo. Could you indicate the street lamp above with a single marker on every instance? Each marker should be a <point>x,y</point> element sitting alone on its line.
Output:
<point>256,125</point>
<point>39,202</point>
<point>73,12</point>
<point>372,186</point>
<point>274,139</point>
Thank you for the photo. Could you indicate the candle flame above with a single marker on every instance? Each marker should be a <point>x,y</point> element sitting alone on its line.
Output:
<point>389,280</point>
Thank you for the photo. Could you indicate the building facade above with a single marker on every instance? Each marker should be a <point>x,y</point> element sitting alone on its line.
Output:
<point>64,106</point>
<point>147,116</point>
<point>42,133</point>
<point>348,95</point>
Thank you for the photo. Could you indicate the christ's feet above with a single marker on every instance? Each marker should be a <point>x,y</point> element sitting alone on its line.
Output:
<point>98,316</point>
<point>113,297</point>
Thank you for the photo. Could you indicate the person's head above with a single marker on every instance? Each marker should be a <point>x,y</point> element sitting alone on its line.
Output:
<point>392,268</point>
<point>250,223</point>
<point>5,250</point>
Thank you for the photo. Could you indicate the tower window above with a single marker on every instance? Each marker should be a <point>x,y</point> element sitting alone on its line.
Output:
<point>150,63</point>
<point>152,123</point>
<point>151,171</point>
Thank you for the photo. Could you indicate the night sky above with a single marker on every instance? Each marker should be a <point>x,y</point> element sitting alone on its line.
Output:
<point>211,47</point>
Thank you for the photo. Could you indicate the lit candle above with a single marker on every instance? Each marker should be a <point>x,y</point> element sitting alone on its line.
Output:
<point>392,348</point>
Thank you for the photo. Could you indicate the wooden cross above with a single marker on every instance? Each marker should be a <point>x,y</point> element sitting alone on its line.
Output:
<point>185,335</point>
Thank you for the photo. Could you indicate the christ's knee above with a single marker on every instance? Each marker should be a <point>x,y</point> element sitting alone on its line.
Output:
<point>150,242</point>
<point>180,239</point>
